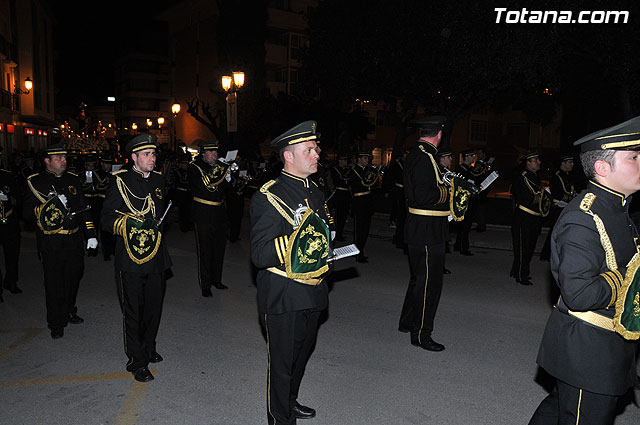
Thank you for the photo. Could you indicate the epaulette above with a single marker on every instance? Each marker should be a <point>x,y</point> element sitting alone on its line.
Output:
<point>587,201</point>
<point>32,175</point>
<point>120,171</point>
<point>265,187</point>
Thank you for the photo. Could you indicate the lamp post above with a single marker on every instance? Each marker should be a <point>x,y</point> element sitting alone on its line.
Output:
<point>231,85</point>
<point>175,110</point>
<point>17,91</point>
<point>160,122</point>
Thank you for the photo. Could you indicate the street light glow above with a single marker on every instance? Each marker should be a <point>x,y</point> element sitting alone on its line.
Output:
<point>226,82</point>
<point>238,78</point>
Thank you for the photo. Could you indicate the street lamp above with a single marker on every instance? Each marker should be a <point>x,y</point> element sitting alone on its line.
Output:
<point>160,122</point>
<point>134,127</point>
<point>175,110</point>
<point>17,91</point>
<point>231,85</point>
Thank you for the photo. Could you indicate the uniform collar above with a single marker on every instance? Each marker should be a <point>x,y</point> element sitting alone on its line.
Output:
<point>428,148</point>
<point>298,180</point>
<point>140,173</point>
<point>54,174</point>
<point>607,193</point>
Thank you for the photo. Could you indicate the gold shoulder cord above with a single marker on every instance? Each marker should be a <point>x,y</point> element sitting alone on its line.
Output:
<point>35,191</point>
<point>147,206</point>
<point>585,206</point>
<point>528,183</point>
<point>436,170</point>
<point>277,202</point>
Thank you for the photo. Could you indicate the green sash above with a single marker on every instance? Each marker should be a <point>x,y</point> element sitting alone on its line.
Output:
<point>626,321</point>
<point>460,195</point>
<point>308,248</point>
<point>51,216</point>
<point>141,238</point>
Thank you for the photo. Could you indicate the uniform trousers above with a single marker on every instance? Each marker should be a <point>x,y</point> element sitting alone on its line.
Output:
<point>211,240</point>
<point>524,235</point>
<point>291,337</point>
<point>235,207</point>
<point>63,263</point>
<point>464,228</point>
<point>425,287</point>
<point>552,218</point>
<point>183,199</point>
<point>401,215</point>
<point>141,296</point>
<point>10,240</point>
<point>567,405</point>
<point>341,201</point>
<point>362,212</point>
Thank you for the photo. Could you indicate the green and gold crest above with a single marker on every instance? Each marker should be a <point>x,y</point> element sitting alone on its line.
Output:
<point>544,203</point>
<point>626,321</point>
<point>308,248</point>
<point>217,174</point>
<point>141,238</point>
<point>370,177</point>
<point>460,195</point>
<point>51,215</point>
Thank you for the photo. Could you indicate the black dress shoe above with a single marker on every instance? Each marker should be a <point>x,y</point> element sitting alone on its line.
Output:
<point>446,271</point>
<point>155,357</point>
<point>403,329</point>
<point>1,299</point>
<point>427,344</point>
<point>467,253</point>
<point>143,374</point>
<point>220,285</point>
<point>303,412</point>
<point>74,319</point>
<point>14,289</point>
<point>207,293</point>
<point>57,333</point>
<point>525,281</point>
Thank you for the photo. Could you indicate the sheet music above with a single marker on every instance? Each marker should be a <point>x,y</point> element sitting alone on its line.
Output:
<point>344,251</point>
<point>231,156</point>
<point>490,179</point>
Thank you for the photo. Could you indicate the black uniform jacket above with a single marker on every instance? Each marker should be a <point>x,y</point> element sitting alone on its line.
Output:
<point>561,186</point>
<point>68,184</point>
<point>526,191</point>
<point>426,192</point>
<point>269,232</point>
<point>573,350</point>
<point>362,179</point>
<point>137,189</point>
<point>207,195</point>
<point>9,186</point>
<point>340,177</point>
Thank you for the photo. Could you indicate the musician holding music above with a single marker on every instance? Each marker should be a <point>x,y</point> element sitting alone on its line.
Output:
<point>55,201</point>
<point>428,202</point>
<point>532,202</point>
<point>290,247</point>
<point>362,180</point>
<point>208,178</point>
<point>133,211</point>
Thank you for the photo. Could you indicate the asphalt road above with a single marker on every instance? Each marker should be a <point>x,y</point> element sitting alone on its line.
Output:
<point>363,371</point>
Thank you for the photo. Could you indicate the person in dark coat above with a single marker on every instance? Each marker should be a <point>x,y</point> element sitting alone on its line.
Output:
<point>290,302</point>
<point>208,179</point>
<point>586,346</point>
<point>10,198</point>
<point>341,200</point>
<point>464,227</point>
<point>426,233</point>
<point>64,227</point>
<point>362,179</point>
<point>133,210</point>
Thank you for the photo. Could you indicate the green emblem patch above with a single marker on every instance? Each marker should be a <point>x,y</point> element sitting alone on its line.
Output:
<point>141,238</point>
<point>308,248</point>
<point>545,203</point>
<point>626,321</point>
<point>460,195</point>
<point>51,216</point>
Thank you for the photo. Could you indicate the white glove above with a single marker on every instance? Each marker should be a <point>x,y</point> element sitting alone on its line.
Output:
<point>333,234</point>
<point>92,243</point>
<point>228,177</point>
<point>63,199</point>
<point>3,197</point>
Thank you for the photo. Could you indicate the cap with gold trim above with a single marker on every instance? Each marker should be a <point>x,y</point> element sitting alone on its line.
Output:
<point>621,137</point>
<point>56,149</point>
<point>303,132</point>
<point>431,125</point>
<point>142,142</point>
<point>208,145</point>
<point>528,155</point>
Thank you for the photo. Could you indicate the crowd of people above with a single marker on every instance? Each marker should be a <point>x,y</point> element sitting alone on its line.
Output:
<point>299,207</point>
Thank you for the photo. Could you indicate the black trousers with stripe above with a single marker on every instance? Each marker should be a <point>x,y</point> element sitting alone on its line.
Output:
<point>525,229</point>
<point>141,296</point>
<point>211,240</point>
<point>567,405</point>
<point>425,287</point>
<point>291,337</point>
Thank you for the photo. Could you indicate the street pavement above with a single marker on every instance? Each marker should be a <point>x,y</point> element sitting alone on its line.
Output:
<point>363,371</point>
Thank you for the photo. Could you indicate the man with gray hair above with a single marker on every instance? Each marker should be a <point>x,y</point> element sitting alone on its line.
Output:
<point>588,341</point>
